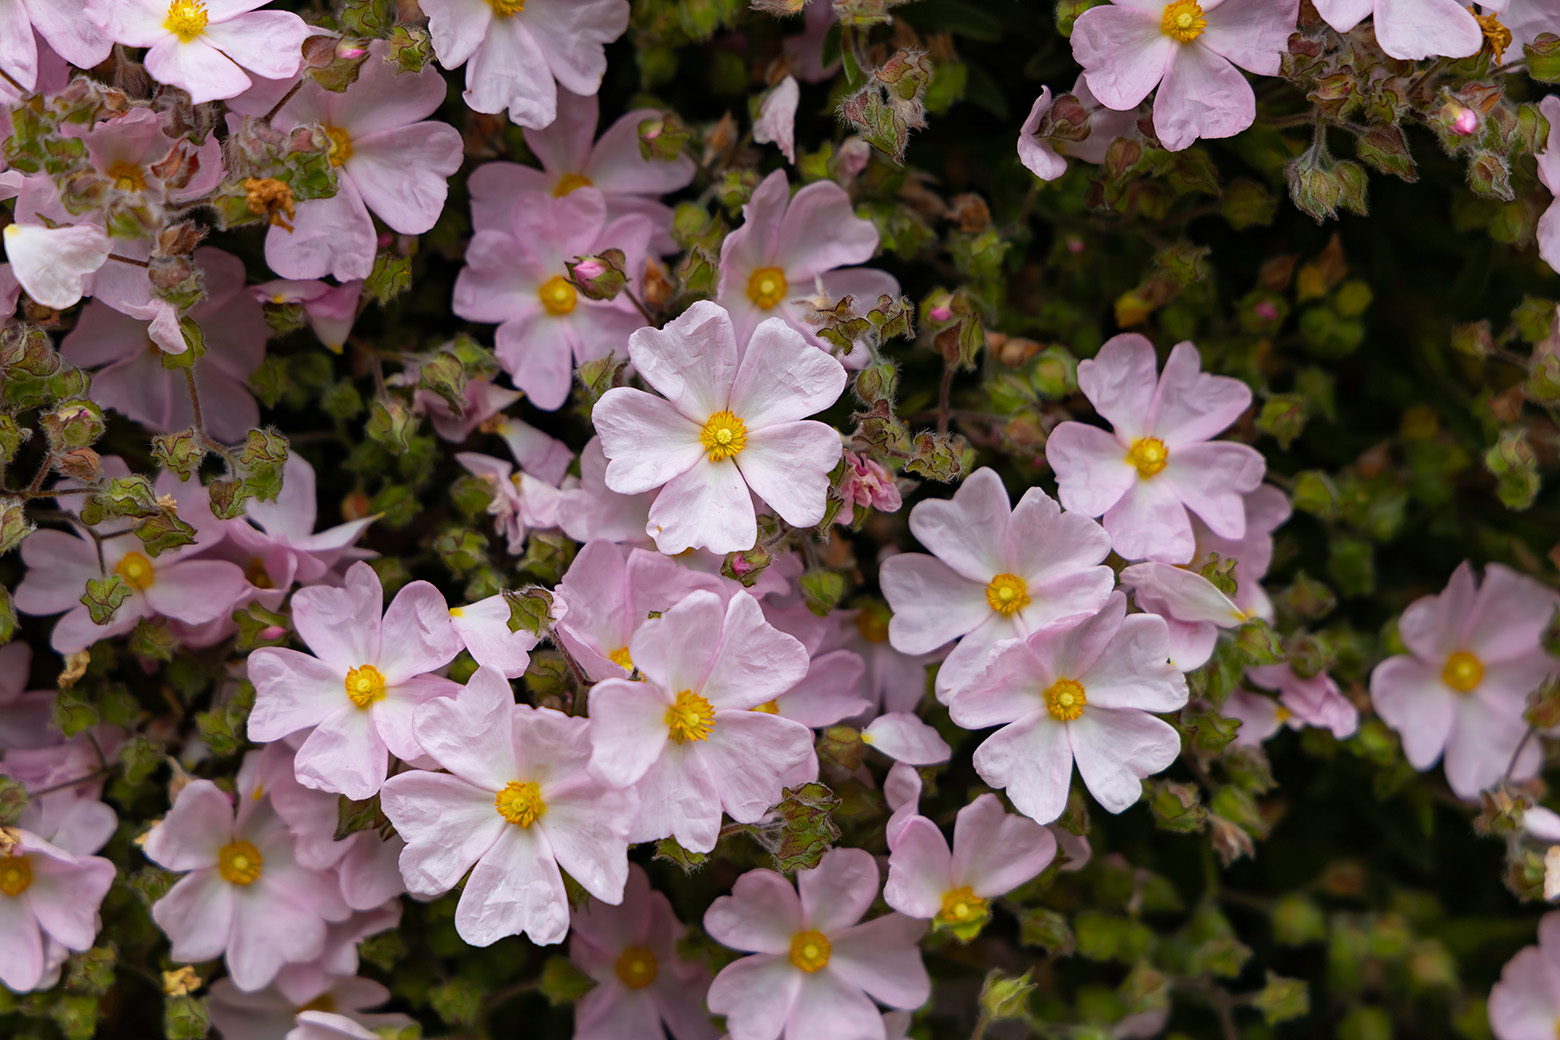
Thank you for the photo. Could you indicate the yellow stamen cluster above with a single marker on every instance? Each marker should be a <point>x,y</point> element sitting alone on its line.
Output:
<point>127,176</point>
<point>724,435</point>
<point>810,951</point>
<point>340,149</point>
<point>137,571</point>
<point>621,658</point>
<point>767,287</point>
<point>961,906</point>
<point>690,717</point>
<point>1463,672</point>
<point>365,685</point>
<point>569,182</point>
<point>507,8</point>
<point>1065,699</point>
<point>15,875</point>
<point>558,296</point>
<point>636,967</point>
<point>1149,455</point>
<point>239,863</point>
<point>186,19</point>
<point>1007,594</point>
<point>520,803</point>
<point>1183,21</point>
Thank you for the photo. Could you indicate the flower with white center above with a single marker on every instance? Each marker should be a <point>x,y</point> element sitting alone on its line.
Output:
<point>730,425</point>
<point>52,264</point>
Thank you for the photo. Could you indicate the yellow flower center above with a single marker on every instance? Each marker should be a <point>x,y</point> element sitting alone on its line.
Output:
<point>15,875</point>
<point>690,717</point>
<point>558,296</point>
<point>810,951</point>
<point>520,803</point>
<point>1007,594</point>
<point>186,19</point>
<point>636,967</point>
<point>621,658</point>
<point>256,574</point>
<point>1183,21</point>
<point>239,863</point>
<point>1149,455</point>
<point>506,8</point>
<point>768,708</point>
<point>767,287</point>
<point>340,149</point>
<point>961,906</point>
<point>365,685</point>
<point>1463,672</point>
<point>568,182</point>
<point>724,435</point>
<point>127,176</point>
<point>137,571</point>
<point>1065,699</point>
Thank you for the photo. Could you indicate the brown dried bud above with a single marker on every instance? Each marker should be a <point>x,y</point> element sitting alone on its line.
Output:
<point>272,198</point>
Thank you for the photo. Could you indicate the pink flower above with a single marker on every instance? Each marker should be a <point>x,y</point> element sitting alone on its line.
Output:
<point>205,47</point>
<point>520,501</point>
<point>330,310</point>
<point>1410,29</point>
<point>245,894</point>
<point>515,277</point>
<point>143,151</point>
<point>1193,607</point>
<point>1190,51</point>
<point>48,895</point>
<point>628,181</point>
<point>1549,173</point>
<point>993,853</point>
<point>26,716</point>
<point>1159,466</point>
<point>518,804</point>
<point>815,972</point>
<point>1043,156</point>
<point>893,681</point>
<point>998,573</point>
<point>357,694</point>
<point>730,426</point>
<point>1081,694</point>
<point>388,159</point>
<point>483,627</point>
<point>1525,1003</point>
<point>688,737</point>
<point>290,1009</point>
<point>514,50</point>
<point>776,122</point>
<point>903,737</point>
<point>1473,657</point>
<point>1316,701</point>
<point>867,484</point>
<point>60,24</point>
<point>641,981</point>
<point>786,248</point>
<point>52,264</point>
<point>278,545</point>
<point>591,510</point>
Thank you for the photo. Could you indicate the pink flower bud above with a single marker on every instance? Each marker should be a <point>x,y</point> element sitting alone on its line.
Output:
<point>1464,120</point>
<point>589,269</point>
<point>940,313</point>
<point>1075,245</point>
<point>1266,311</point>
<point>350,51</point>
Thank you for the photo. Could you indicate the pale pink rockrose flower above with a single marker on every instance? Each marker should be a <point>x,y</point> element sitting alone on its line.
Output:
<point>245,895</point>
<point>518,803</point>
<point>520,502</point>
<point>893,681</point>
<point>687,737</point>
<point>776,122</point>
<point>1084,694</point>
<point>591,510</point>
<point>868,485</point>
<point>331,310</point>
<point>1525,1003</point>
<point>1549,172</point>
<point>993,853</point>
<point>306,1007</point>
<point>1193,608</point>
<point>903,737</point>
<point>357,694</point>
<point>1474,656</point>
<point>998,573</point>
<point>814,973</point>
<point>128,374</point>
<point>26,716</point>
<point>730,425</point>
<point>48,896</point>
<point>205,47</point>
<point>832,688</point>
<point>52,264</point>
<point>613,165</point>
<point>1045,157</point>
<point>1158,467</point>
<point>774,264</point>
<point>389,158</point>
<point>1190,51</point>
<point>61,26</point>
<point>608,594</point>
<point>1410,29</point>
<point>483,627</point>
<point>515,277</point>
<point>1316,701</point>
<point>518,53</point>
<point>642,983</point>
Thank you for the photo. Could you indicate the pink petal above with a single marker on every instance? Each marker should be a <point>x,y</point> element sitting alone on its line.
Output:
<point>265,42</point>
<point>1033,760</point>
<point>341,625</point>
<point>788,467</point>
<point>1253,34</point>
<point>761,914</point>
<point>919,869</point>
<point>756,994</point>
<point>1092,471</point>
<point>458,28</point>
<point>1202,95</point>
<point>293,692</point>
<point>197,915</point>
<point>401,173</point>
<point>994,851</point>
<point>782,378</point>
<point>692,361</point>
<point>839,890</point>
<point>1120,381</point>
<point>1416,29</point>
<point>1190,405</point>
<point>829,1005</point>
<point>1151,523</point>
<point>416,634</point>
<point>1123,53</point>
<point>755,663</point>
<point>905,738</point>
<point>198,825</point>
<point>627,730</point>
<point>647,441</point>
<point>820,231</point>
<point>747,754</point>
<point>447,822</point>
<point>1115,750</point>
<point>707,507</point>
<point>932,603</point>
<point>344,754</point>
<point>883,958</point>
<point>963,531</point>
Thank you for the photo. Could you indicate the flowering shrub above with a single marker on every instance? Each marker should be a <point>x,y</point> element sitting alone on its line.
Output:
<point>822,520</point>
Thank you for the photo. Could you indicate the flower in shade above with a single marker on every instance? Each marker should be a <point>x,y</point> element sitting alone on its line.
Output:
<point>48,896</point>
<point>688,737</point>
<point>329,309</point>
<point>517,804</point>
<point>1190,51</point>
<point>998,573</point>
<point>642,983</point>
<point>1044,156</point>
<point>309,1005</point>
<point>815,972</point>
<point>1549,172</point>
<point>1411,29</point>
<point>1525,1003</point>
<point>1316,701</point>
<point>1083,694</point>
<point>356,695</point>
<point>1474,656</point>
<point>520,501</point>
<point>776,122</point>
<point>730,425</point>
<point>1158,466</point>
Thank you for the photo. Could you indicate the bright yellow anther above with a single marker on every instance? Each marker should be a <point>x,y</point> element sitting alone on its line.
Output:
<point>621,658</point>
<point>724,435</point>
<point>186,19</point>
<point>767,287</point>
<point>558,296</point>
<point>1149,455</point>
<point>690,717</point>
<point>15,875</point>
<point>1007,594</point>
<point>961,906</point>
<point>1463,672</point>
<point>506,8</point>
<point>1065,699</point>
<point>340,149</point>
<point>568,182</point>
<point>239,863</point>
<point>636,967</point>
<point>365,685</point>
<point>1183,21</point>
<point>520,803</point>
<point>127,176</point>
<point>137,571</point>
<point>810,951</point>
